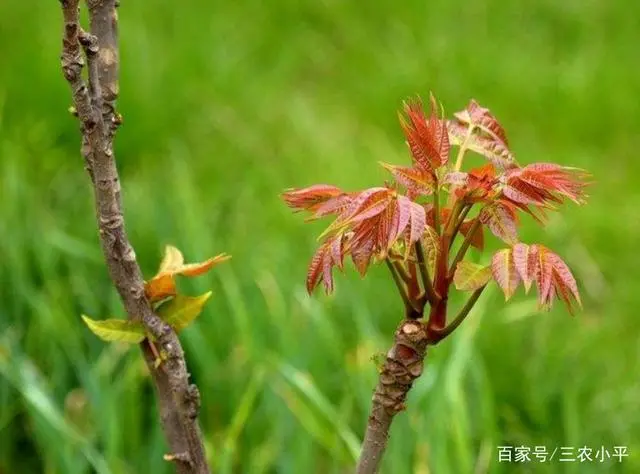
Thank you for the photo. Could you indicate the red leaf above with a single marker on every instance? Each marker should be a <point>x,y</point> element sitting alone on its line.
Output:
<point>439,127</point>
<point>485,172</point>
<point>482,119</point>
<point>387,227</point>
<point>544,183</point>
<point>363,206</point>
<point>418,223</point>
<point>361,255</point>
<point>456,178</point>
<point>564,276</point>
<point>526,261</point>
<point>310,197</point>
<point>482,133</point>
<point>427,139</point>
<point>334,205</point>
<point>416,180</point>
<point>369,203</point>
<point>327,273</point>
<point>504,272</point>
<point>501,222</point>
<point>336,246</point>
<point>316,268</point>
<point>555,278</point>
<point>404,214</point>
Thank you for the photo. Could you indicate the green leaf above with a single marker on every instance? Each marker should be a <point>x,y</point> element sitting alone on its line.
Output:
<point>116,330</point>
<point>471,276</point>
<point>182,310</point>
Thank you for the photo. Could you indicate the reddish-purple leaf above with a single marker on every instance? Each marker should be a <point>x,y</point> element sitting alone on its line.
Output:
<point>482,119</point>
<point>310,197</point>
<point>544,278</point>
<point>456,178</point>
<point>427,138</point>
<point>415,179</point>
<point>369,203</point>
<point>336,246</point>
<point>544,183</point>
<point>438,126</point>
<point>387,228</point>
<point>501,222</point>
<point>327,273</point>
<point>555,279</point>
<point>418,222</point>
<point>526,261</point>
<point>361,255</point>
<point>315,268</point>
<point>334,205</point>
<point>504,272</point>
<point>564,275</point>
<point>404,214</point>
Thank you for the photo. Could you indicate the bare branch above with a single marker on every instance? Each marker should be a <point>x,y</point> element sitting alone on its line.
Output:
<point>179,400</point>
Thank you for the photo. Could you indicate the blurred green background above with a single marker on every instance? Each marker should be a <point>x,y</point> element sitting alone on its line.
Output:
<point>227,103</point>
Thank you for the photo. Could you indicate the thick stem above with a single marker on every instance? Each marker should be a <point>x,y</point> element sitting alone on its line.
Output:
<point>403,365</point>
<point>179,400</point>
<point>438,335</point>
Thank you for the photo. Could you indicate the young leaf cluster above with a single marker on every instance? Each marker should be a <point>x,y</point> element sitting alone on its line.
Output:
<point>176,309</point>
<point>425,220</point>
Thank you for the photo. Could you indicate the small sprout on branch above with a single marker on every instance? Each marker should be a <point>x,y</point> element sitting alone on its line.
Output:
<point>175,309</point>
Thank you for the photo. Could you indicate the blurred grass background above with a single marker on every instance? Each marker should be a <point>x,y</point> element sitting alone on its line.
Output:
<point>227,103</point>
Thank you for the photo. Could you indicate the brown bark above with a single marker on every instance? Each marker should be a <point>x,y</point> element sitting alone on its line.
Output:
<point>179,401</point>
<point>403,365</point>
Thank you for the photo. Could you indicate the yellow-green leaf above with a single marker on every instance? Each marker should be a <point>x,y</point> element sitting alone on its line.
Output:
<point>431,243</point>
<point>172,260</point>
<point>471,276</point>
<point>116,330</point>
<point>163,284</point>
<point>182,310</point>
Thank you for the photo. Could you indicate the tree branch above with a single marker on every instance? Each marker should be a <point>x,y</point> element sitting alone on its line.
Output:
<point>410,310</point>
<point>403,365</point>
<point>461,218</point>
<point>431,295</point>
<point>438,335</point>
<point>179,400</point>
<point>465,246</point>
